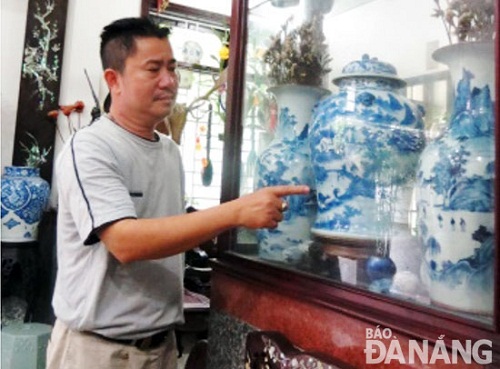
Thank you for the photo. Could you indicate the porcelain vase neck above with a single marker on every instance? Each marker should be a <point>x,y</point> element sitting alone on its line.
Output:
<point>475,57</point>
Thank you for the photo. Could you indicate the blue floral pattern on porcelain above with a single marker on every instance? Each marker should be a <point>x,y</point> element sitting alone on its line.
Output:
<point>455,204</point>
<point>286,161</point>
<point>365,142</point>
<point>24,197</point>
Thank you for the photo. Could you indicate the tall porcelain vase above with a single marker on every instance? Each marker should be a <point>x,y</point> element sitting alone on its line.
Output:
<point>455,188</point>
<point>24,198</point>
<point>286,161</point>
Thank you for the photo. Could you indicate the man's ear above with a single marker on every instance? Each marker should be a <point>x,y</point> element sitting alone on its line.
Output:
<point>111,77</point>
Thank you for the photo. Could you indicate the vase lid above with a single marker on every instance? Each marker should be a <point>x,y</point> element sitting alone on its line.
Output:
<point>371,68</point>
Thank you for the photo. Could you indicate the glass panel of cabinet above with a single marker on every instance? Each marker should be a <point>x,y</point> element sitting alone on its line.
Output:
<point>386,109</point>
<point>197,121</point>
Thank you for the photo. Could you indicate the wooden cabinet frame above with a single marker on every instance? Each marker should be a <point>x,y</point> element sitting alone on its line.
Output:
<point>417,321</point>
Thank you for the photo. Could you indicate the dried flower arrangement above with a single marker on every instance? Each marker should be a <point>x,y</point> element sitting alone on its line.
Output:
<point>298,56</point>
<point>467,20</point>
<point>36,156</point>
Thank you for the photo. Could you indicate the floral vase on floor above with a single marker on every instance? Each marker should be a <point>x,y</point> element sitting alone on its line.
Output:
<point>365,144</point>
<point>24,198</point>
<point>455,188</point>
<point>286,161</point>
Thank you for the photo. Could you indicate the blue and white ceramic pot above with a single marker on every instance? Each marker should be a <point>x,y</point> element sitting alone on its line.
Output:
<point>24,198</point>
<point>286,161</point>
<point>365,144</point>
<point>455,188</point>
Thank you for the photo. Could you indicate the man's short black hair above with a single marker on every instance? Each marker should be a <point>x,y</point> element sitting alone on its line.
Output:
<point>118,39</point>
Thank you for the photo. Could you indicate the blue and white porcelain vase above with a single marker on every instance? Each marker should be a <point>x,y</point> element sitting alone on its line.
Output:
<point>286,161</point>
<point>455,188</point>
<point>24,198</point>
<point>365,144</point>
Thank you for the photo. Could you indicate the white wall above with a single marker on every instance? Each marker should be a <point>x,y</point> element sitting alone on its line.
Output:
<point>13,21</point>
<point>85,21</point>
<point>409,51</point>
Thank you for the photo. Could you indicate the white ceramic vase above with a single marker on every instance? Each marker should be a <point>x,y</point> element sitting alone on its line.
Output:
<point>286,161</point>
<point>455,188</point>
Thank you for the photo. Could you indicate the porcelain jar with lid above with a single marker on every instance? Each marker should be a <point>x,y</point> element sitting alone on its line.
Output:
<point>365,143</point>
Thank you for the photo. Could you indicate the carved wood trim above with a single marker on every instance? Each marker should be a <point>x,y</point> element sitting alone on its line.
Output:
<point>272,350</point>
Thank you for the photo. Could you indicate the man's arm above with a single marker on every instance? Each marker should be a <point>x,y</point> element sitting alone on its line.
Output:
<point>141,239</point>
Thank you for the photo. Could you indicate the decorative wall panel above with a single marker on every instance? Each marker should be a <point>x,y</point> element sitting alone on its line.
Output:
<point>40,78</point>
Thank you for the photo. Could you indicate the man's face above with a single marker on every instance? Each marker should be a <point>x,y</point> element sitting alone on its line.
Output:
<point>148,85</point>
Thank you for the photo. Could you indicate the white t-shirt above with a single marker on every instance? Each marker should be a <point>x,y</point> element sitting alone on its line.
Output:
<point>105,173</point>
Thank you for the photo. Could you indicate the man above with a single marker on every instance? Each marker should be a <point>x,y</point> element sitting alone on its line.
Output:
<point>122,225</point>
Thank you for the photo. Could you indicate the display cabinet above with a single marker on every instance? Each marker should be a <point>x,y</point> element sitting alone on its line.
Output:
<point>388,111</point>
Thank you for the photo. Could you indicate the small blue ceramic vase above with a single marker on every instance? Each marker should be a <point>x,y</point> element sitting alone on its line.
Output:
<point>24,198</point>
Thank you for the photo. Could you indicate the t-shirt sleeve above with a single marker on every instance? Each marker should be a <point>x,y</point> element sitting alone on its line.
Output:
<point>91,183</point>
